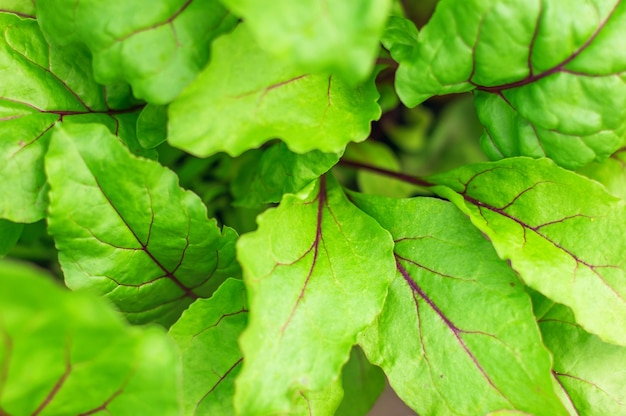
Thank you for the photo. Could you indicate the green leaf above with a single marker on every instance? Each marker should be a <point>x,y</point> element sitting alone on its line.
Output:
<point>454,312</point>
<point>611,173</point>
<point>268,174</point>
<point>157,46</point>
<point>42,85</point>
<point>317,272</point>
<point>10,232</point>
<point>64,353</point>
<point>590,372</point>
<point>400,38</point>
<point>207,335</point>
<point>124,227</point>
<point>362,383</point>
<point>152,126</point>
<point>563,233</point>
<point>22,8</point>
<point>246,96</point>
<point>548,82</point>
<point>337,37</point>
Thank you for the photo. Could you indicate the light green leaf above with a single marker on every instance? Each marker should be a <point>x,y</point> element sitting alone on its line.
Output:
<point>549,77</point>
<point>10,232</point>
<point>362,384</point>
<point>336,36</point>
<point>207,336</point>
<point>457,334</point>
<point>64,353</point>
<point>22,8</point>
<point>42,85</point>
<point>124,227</point>
<point>246,96</point>
<point>562,232</point>
<point>590,372</point>
<point>268,174</point>
<point>157,46</point>
<point>400,38</point>
<point>611,173</point>
<point>317,272</point>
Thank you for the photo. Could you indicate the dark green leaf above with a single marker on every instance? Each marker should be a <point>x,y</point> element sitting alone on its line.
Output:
<point>10,232</point>
<point>362,385</point>
<point>64,353</point>
<point>457,334</point>
<point>124,227</point>
<point>563,233</point>
<point>152,126</point>
<point>317,271</point>
<point>246,96</point>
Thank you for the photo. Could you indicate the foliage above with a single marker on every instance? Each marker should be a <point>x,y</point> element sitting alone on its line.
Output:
<point>239,215</point>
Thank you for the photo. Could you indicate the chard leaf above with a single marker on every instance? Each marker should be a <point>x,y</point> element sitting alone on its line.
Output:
<point>337,37</point>
<point>42,85</point>
<point>246,96</point>
<point>455,311</point>
<point>207,335</point>
<point>270,173</point>
<point>548,76</point>
<point>22,8</point>
<point>362,384</point>
<point>124,227</point>
<point>400,38</point>
<point>562,232</point>
<point>591,373</point>
<point>64,353</point>
<point>10,232</point>
<point>317,271</point>
<point>157,46</point>
<point>610,172</point>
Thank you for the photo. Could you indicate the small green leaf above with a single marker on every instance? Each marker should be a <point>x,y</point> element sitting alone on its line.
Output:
<point>548,82</point>
<point>611,173</point>
<point>123,226</point>
<point>10,232</point>
<point>157,46</point>
<point>563,233</point>
<point>207,336</point>
<point>152,126</point>
<point>246,96</point>
<point>457,322</point>
<point>400,38</point>
<point>268,174</point>
<point>22,8</point>
<point>317,271</point>
<point>362,384</point>
<point>64,353</point>
<point>337,37</point>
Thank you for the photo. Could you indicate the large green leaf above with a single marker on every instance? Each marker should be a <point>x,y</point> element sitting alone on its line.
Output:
<point>457,334</point>
<point>317,36</point>
<point>549,77</point>
<point>42,85</point>
<point>124,227</point>
<point>246,96</point>
<point>157,46</point>
<point>563,233</point>
<point>64,353</point>
<point>317,271</point>
<point>22,8</point>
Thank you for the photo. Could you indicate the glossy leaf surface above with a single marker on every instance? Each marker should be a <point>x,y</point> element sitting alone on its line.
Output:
<point>64,353</point>
<point>124,227</point>
<point>562,232</point>
<point>246,96</point>
<point>317,271</point>
<point>336,37</point>
<point>157,46</point>
<point>454,314</point>
<point>549,76</point>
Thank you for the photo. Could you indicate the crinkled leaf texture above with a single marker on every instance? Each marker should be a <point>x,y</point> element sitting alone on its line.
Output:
<point>590,372</point>
<point>457,335</point>
<point>246,96</point>
<point>563,233</point>
<point>157,46</point>
<point>549,77</point>
<point>317,271</point>
<point>339,37</point>
<point>42,85</point>
<point>123,226</point>
<point>64,353</point>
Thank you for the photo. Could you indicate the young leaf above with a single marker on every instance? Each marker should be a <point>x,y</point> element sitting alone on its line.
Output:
<point>152,126</point>
<point>336,37</point>
<point>317,271</point>
<point>611,173</point>
<point>123,226</point>
<point>400,38</point>
<point>158,46</point>
<point>64,353</point>
<point>207,336</point>
<point>457,334</point>
<point>270,173</point>
<point>246,96</point>
<point>548,82</point>
<point>40,86</point>
<point>10,232</point>
<point>563,233</point>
